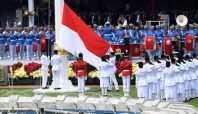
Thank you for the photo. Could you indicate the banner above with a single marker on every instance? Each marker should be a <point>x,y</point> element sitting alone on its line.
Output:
<point>117,48</point>
<point>189,44</point>
<point>168,46</point>
<point>135,50</point>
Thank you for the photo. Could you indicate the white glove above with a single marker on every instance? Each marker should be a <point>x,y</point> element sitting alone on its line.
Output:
<point>85,77</point>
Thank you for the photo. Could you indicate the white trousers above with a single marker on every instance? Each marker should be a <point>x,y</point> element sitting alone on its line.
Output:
<point>44,78</point>
<point>113,81</point>
<point>150,92</point>
<point>56,77</point>
<point>143,91</point>
<point>81,84</point>
<point>104,82</point>
<point>126,83</point>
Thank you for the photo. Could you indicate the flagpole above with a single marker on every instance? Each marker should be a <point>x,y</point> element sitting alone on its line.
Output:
<point>65,83</point>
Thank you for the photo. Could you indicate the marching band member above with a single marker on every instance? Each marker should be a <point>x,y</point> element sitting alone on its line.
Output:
<point>81,71</point>
<point>56,62</point>
<point>141,82</point>
<point>103,74</point>
<point>126,70</point>
<point>113,69</point>
<point>45,63</point>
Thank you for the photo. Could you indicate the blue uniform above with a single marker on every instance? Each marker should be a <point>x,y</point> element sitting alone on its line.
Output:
<point>29,42</point>
<point>141,36</point>
<point>119,35</point>
<point>21,42</point>
<point>52,37</point>
<point>13,39</point>
<point>184,33</point>
<point>2,46</point>
<point>38,37</point>
<point>108,34</point>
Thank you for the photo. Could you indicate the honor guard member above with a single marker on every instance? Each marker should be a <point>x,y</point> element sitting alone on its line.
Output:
<point>13,39</point>
<point>45,64</point>
<point>141,82</point>
<point>157,76</point>
<point>21,42</point>
<point>175,75</point>
<point>112,60</point>
<point>126,70</point>
<point>2,45</point>
<point>187,78</point>
<point>56,67</point>
<point>192,71</point>
<point>81,72</point>
<point>29,42</point>
<point>195,61</point>
<point>181,84</point>
<point>168,82</point>
<point>149,75</point>
<point>104,75</point>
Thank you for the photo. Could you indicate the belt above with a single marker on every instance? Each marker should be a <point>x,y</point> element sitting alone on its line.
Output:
<point>125,70</point>
<point>12,40</point>
<point>20,39</point>
<point>107,34</point>
<point>80,70</point>
<point>29,39</point>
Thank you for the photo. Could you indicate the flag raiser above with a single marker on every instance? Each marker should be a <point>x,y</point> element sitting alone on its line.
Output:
<point>77,37</point>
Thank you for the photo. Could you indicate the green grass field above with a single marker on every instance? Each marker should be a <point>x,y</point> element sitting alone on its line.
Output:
<point>92,92</point>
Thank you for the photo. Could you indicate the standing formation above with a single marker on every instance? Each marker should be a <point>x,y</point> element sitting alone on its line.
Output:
<point>170,78</point>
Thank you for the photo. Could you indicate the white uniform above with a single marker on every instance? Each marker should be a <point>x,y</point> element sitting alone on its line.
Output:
<point>149,75</point>
<point>45,63</point>
<point>175,73</point>
<point>193,79</point>
<point>195,61</point>
<point>141,83</point>
<point>104,75</point>
<point>113,69</point>
<point>180,86</point>
<point>168,83</point>
<point>188,80</point>
<point>56,67</point>
<point>157,77</point>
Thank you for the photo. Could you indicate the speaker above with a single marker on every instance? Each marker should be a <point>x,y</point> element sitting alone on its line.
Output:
<point>127,44</point>
<point>48,47</point>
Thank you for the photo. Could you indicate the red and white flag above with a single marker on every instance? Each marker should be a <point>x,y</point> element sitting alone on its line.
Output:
<point>77,37</point>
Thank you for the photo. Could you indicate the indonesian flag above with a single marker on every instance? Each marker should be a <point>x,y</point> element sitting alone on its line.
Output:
<point>77,37</point>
